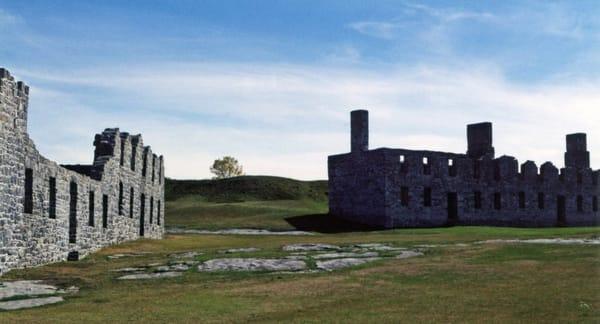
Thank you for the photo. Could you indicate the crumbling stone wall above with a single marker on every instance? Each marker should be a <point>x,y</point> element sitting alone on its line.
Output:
<point>51,212</point>
<point>406,188</point>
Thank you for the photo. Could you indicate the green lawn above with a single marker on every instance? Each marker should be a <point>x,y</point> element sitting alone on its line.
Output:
<point>451,283</point>
<point>197,213</point>
<point>243,202</point>
<point>475,283</point>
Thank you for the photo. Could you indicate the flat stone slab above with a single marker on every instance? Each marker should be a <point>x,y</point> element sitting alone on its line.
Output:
<point>185,255</point>
<point>29,303</point>
<point>462,244</point>
<point>240,250</point>
<point>11,289</point>
<point>345,255</point>
<point>172,267</point>
<point>179,267</point>
<point>408,254</point>
<point>252,264</point>
<point>129,270</point>
<point>184,262</point>
<point>429,245</point>
<point>378,247</point>
<point>336,264</point>
<point>142,276</point>
<point>595,241</point>
<point>126,255</point>
<point>235,231</point>
<point>310,247</point>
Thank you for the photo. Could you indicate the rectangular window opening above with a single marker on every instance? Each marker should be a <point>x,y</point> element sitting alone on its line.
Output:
<point>153,166</point>
<point>145,165</point>
<point>104,211</point>
<point>451,168</point>
<point>404,196</point>
<point>122,161</point>
<point>426,166</point>
<point>561,210</point>
<point>541,200</point>
<point>595,203</point>
<point>142,214</point>
<point>160,173</point>
<point>403,165</point>
<point>73,213</point>
<point>120,201</point>
<point>133,154</point>
<point>131,196</point>
<point>52,198</point>
<point>497,201</point>
<point>522,200</point>
<point>28,202</point>
<point>427,197</point>
<point>151,209</point>
<point>158,213</point>
<point>91,208</point>
<point>580,204</point>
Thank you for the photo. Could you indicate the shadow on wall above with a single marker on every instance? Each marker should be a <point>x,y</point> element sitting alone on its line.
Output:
<point>327,224</point>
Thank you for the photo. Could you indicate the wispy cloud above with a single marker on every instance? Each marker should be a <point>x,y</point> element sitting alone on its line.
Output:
<point>448,14</point>
<point>529,18</point>
<point>285,119</point>
<point>554,20</point>
<point>434,17</point>
<point>380,29</point>
<point>277,96</point>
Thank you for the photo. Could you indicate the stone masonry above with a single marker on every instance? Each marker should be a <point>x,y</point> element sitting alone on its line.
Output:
<point>51,212</point>
<point>405,188</point>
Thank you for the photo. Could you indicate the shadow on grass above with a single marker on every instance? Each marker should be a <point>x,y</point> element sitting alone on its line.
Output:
<point>327,224</point>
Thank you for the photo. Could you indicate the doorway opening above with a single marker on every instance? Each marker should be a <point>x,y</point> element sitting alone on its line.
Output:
<point>142,214</point>
<point>73,213</point>
<point>452,208</point>
<point>561,211</point>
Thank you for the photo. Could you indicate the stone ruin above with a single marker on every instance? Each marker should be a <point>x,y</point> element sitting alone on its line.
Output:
<point>51,212</point>
<point>394,188</point>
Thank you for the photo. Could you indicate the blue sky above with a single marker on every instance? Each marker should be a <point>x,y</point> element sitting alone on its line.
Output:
<point>272,82</point>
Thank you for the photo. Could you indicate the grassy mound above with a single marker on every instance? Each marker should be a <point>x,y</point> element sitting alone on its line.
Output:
<point>247,188</point>
<point>245,202</point>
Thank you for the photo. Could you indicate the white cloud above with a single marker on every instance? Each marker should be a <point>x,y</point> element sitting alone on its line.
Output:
<point>379,29</point>
<point>434,24</point>
<point>285,119</point>
<point>449,15</point>
<point>436,20</point>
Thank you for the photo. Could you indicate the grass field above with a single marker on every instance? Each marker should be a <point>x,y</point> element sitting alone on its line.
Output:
<point>244,202</point>
<point>196,213</point>
<point>450,283</point>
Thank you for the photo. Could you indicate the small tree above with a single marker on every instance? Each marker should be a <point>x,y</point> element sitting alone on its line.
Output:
<point>226,167</point>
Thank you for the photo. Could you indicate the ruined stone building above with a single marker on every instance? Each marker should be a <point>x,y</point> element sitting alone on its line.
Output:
<point>51,212</point>
<point>406,188</point>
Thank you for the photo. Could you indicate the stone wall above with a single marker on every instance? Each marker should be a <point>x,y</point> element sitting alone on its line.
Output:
<point>49,212</point>
<point>406,188</point>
